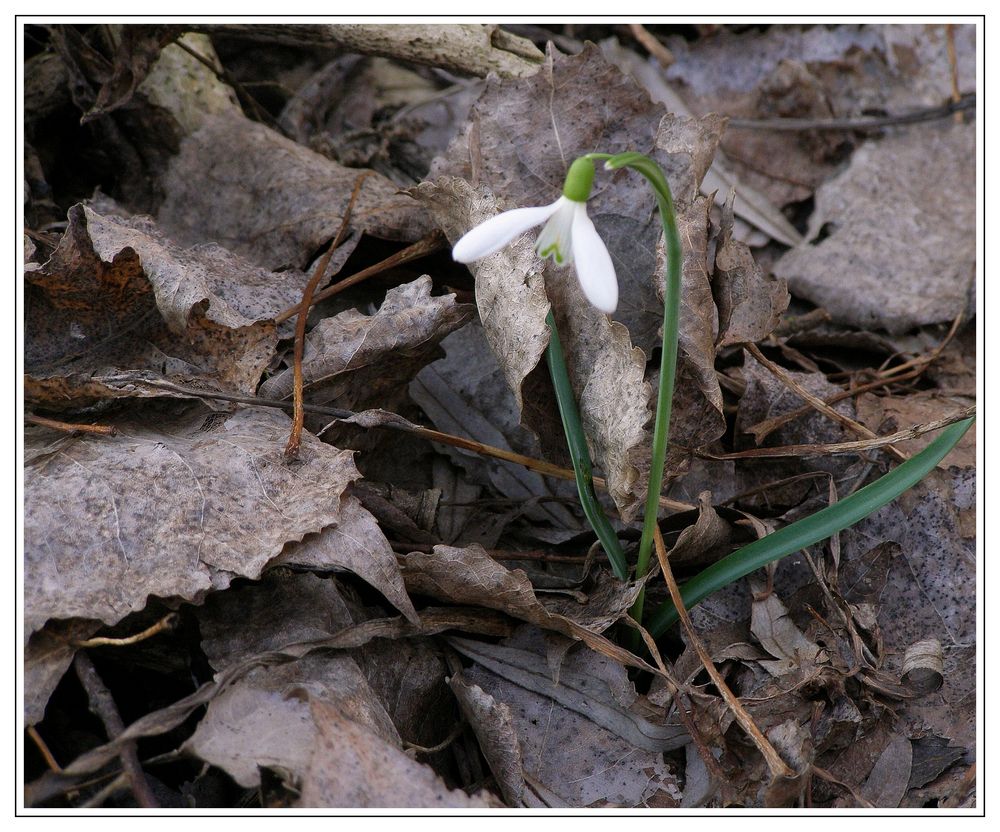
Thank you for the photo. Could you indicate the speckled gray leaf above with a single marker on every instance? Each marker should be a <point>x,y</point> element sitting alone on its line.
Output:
<point>173,508</point>
<point>928,592</point>
<point>117,298</point>
<point>245,186</point>
<point>577,733</point>
<point>899,248</point>
<point>359,360</point>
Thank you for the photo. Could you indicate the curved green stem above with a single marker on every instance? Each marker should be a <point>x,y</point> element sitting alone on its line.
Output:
<point>668,356</point>
<point>580,454</point>
<point>810,530</point>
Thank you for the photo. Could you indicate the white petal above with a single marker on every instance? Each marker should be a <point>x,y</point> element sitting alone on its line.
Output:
<point>495,233</point>
<point>556,237</point>
<point>594,268</point>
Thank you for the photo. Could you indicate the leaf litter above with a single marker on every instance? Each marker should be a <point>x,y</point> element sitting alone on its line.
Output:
<point>437,633</point>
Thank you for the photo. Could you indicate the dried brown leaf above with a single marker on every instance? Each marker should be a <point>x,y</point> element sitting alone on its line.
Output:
<point>581,737</point>
<point>264,719</point>
<point>887,783</point>
<point>174,509</point>
<point>750,303</point>
<point>47,656</point>
<point>117,298</point>
<point>359,360</point>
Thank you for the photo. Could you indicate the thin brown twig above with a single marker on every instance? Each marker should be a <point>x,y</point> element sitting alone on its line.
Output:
<point>421,248</point>
<point>816,402</point>
<point>956,96</point>
<point>777,766</point>
<point>71,427</point>
<point>401,424</point>
<point>103,705</point>
<point>844,447</point>
<point>651,44</point>
<point>916,366</point>
<point>823,774</point>
<point>223,75</point>
<point>965,102</point>
<point>298,414</point>
<point>168,622</point>
<point>402,549</point>
<point>441,746</point>
<point>43,749</point>
<point>675,687</point>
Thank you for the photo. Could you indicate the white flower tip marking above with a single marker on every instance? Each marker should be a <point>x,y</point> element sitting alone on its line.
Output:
<point>594,268</point>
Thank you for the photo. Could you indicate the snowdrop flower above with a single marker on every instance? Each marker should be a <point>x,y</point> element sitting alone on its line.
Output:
<point>568,237</point>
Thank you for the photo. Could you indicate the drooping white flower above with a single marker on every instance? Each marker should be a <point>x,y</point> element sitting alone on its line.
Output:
<point>568,237</point>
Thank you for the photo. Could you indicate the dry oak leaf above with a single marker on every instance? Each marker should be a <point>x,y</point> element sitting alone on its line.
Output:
<point>118,299</point>
<point>172,508</point>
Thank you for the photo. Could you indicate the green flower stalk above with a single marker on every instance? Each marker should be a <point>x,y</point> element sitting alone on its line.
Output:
<point>668,356</point>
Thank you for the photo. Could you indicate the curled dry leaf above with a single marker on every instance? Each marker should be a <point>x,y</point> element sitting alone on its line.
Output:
<point>116,299</point>
<point>774,629</point>
<point>701,542</point>
<point>47,656</point>
<point>900,251</point>
<point>172,510</point>
<point>471,576</point>
<point>392,685</point>
<point>283,201</point>
<point>359,360</point>
<point>493,725</point>
<point>520,139</point>
<point>351,767</point>
<point>750,303</point>
<point>696,417</point>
